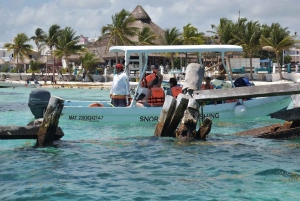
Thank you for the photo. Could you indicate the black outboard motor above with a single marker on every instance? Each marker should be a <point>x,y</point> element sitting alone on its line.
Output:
<point>38,102</point>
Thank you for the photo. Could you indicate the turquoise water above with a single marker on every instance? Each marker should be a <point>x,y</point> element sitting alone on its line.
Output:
<point>125,162</point>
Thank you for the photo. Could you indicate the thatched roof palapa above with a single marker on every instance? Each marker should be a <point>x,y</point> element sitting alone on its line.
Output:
<point>142,20</point>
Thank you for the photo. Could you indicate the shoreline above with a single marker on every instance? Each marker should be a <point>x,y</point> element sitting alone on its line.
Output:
<point>107,85</point>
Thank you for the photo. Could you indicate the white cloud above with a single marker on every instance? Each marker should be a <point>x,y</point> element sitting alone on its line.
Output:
<point>88,16</point>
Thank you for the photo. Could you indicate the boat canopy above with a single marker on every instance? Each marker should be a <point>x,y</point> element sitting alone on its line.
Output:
<point>176,48</point>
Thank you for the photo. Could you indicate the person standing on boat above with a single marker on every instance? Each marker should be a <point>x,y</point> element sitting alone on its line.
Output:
<point>119,91</point>
<point>174,90</point>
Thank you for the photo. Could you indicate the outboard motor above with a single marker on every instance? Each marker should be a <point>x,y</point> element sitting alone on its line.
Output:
<point>38,102</point>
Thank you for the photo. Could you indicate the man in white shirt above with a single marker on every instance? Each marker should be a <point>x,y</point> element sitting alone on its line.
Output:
<point>119,91</point>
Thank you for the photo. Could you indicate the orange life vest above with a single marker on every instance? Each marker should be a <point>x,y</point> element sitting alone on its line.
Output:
<point>176,90</point>
<point>157,97</point>
<point>203,86</point>
<point>150,77</point>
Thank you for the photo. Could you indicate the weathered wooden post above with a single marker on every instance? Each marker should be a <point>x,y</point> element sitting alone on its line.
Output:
<point>47,131</point>
<point>187,128</point>
<point>193,78</point>
<point>182,102</point>
<point>204,129</point>
<point>166,115</point>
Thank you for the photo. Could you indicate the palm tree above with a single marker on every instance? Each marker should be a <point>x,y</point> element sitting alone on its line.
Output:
<point>278,41</point>
<point>248,38</point>
<point>146,37</point>
<point>34,67</point>
<point>224,32</point>
<point>20,48</point>
<point>119,30</point>
<point>66,45</point>
<point>171,37</point>
<point>89,62</point>
<point>191,36</point>
<point>50,39</point>
<point>39,39</point>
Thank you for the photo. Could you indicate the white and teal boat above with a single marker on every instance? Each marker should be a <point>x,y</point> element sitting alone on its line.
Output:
<point>255,107</point>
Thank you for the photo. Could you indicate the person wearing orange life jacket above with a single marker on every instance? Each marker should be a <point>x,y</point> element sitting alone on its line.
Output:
<point>157,95</point>
<point>174,90</point>
<point>208,86</point>
<point>155,74</point>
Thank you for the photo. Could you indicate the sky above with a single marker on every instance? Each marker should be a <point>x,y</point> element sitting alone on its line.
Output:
<point>87,17</point>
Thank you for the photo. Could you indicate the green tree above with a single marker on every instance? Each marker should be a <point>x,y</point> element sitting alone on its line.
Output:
<point>89,62</point>
<point>66,45</point>
<point>39,39</point>
<point>119,30</point>
<point>20,48</point>
<point>146,37</point>
<point>278,41</point>
<point>191,36</point>
<point>248,38</point>
<point>224,31</point>
<point>171,37</point>
<point>34,67</point>
<point>50,39</point>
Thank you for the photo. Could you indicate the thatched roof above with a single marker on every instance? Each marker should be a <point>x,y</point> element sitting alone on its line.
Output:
<point>140,14</point>
<point>142,20</point>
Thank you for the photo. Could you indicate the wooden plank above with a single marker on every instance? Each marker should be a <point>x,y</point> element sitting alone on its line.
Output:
<point>24,132</point>
<point>247,92</point>
<point>258,131</point>
<point>282,134</point>
<point>287,115</point>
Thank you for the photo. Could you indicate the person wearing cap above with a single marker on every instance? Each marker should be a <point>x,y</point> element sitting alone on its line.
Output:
<point>119,91</point>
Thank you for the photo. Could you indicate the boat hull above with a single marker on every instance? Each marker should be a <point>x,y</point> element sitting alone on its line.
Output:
<point>79,111</point>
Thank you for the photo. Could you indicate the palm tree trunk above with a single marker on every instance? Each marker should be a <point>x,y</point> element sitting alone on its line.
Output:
<point>228,64</point>
<point>251,75</point>
<point>172,60</point>
<point>186,63</point>
<point>117,58</point>
<point>279,67</point>
<point>68,65</point>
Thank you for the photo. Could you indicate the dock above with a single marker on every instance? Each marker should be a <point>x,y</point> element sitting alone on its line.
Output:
<point>247,92</point>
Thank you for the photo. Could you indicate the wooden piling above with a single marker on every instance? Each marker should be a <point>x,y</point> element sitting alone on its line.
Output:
<point>46,134</point>
<point>204,129</point>
<point>166,115</point>
<point>194,75</point>
<point>187,128</point>
<point>182,102</point>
